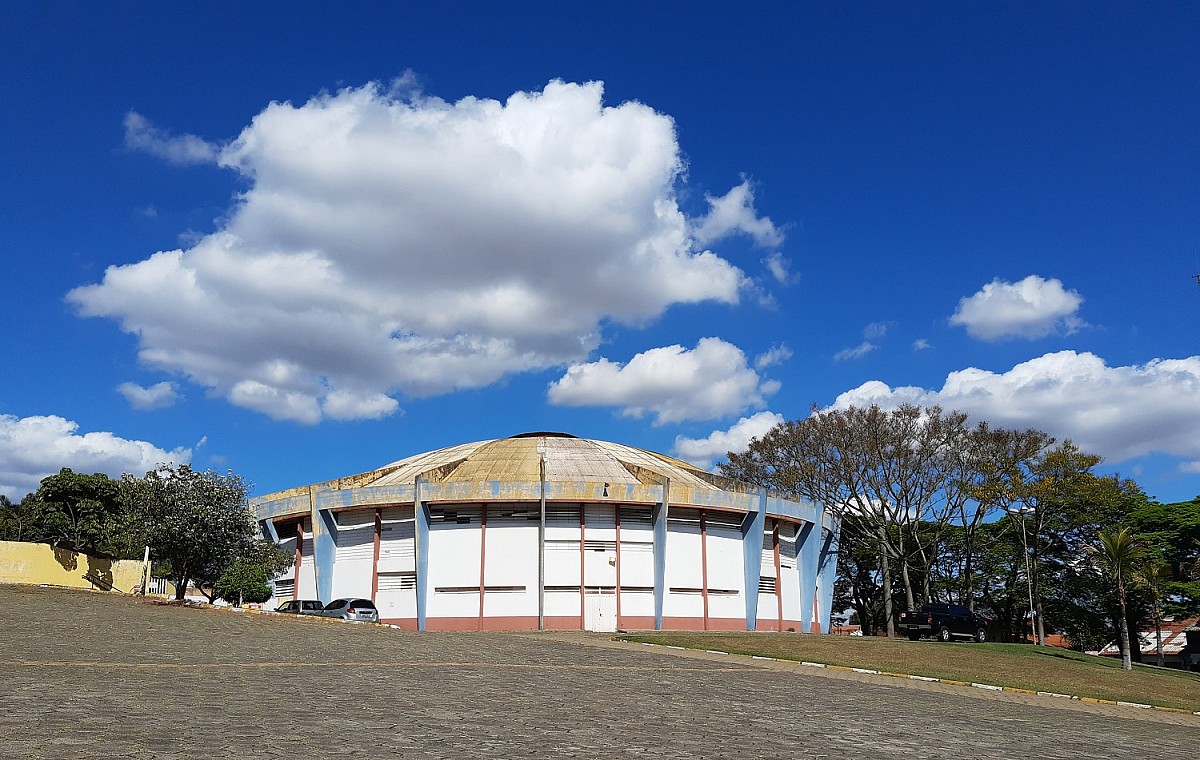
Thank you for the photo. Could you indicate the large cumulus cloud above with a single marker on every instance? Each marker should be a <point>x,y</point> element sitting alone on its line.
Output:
<point>1117,412</point>
<point>388,245</point>
<point>33,447</point>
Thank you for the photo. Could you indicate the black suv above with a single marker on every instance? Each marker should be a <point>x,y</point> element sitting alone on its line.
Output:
<point>945,622</point>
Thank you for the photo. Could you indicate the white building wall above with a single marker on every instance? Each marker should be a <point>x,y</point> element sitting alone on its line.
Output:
<point>562,561</point>
<point>397,567</point>
<point>684,566</point>
<point>726,567</point>
<point>510,561</point>
<point>353,554</point>
<point>768,603</point>
<point>306,584</point>
<point>600,547</point>
<point>789,582</point>
<point>637,562</point>
<point>454,543</point>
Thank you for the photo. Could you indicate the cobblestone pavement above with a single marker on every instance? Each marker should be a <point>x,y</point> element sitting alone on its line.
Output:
<point>94,676</point>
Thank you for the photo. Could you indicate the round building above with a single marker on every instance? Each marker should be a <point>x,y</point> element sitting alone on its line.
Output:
<point>546,530</point>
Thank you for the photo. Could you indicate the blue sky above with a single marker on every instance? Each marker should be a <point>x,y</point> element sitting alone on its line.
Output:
<point>302,241</point>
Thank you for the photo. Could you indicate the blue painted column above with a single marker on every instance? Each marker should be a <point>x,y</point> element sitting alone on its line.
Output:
<point>808,559</point>
<point>753,526</point>
<point>827,574</point>
<point>324,551</point>
<point>268,530</point>
<point>421,517</point>
<point>659,516</point>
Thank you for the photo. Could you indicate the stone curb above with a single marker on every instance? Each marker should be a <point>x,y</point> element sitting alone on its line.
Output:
<point>952,682</point>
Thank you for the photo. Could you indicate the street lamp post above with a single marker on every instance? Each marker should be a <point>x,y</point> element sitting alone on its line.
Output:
<point>1021,512</point>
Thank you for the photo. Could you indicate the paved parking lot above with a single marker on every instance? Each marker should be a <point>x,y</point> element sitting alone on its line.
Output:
<point>93,676</point>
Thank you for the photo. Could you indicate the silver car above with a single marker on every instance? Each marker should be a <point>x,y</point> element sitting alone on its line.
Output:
<point>359,610</point>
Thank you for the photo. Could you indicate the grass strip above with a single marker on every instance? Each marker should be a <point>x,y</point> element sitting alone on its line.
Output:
<point>1015,666</point>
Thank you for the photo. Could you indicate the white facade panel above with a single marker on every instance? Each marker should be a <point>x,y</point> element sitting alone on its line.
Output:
<point>601,522</point>
<point>789,581</point>
<point>562,603</point>
<point>639,603</point>
<point>510,567</point>
<point>454,554</point>
<point>354,553</point>
<point>397,540</point>
<point>306,584</point>
<point>684,569</point>
<point>726,571</point>
<point>637,563</point>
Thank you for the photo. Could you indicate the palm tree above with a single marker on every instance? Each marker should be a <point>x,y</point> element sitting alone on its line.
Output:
<point>1154,576</point>
<point>1118,552</point>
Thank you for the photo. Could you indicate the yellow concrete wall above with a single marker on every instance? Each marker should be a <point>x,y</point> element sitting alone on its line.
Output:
<point>40,563</point>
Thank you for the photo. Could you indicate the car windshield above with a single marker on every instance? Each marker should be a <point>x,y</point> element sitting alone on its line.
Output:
<point>336,604</point>
<point>365,604</point>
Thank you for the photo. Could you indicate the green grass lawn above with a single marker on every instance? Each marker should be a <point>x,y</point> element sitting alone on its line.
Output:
<point>1015,665</point>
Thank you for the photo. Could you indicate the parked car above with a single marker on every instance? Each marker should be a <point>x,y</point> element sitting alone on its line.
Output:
<point>302,607</point>
<point>944,622</point>
<point>361,610</point>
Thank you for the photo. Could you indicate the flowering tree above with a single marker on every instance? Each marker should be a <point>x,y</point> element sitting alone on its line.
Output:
<point>196,523</point>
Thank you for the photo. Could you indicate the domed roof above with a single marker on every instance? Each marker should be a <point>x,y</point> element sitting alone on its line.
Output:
<point>518,459</point>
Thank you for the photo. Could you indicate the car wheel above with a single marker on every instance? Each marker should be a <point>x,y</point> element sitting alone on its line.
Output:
<point>981,635</point>
<point>943,634</point>
<point>914,636</point>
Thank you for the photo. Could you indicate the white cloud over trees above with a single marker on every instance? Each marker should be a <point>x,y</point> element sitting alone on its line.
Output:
<point>33,447</point>
<point>1117,412</point>
<point>1032,308</point>
<point>391,243</point>
<point>704,452</point>
<point>157,396</point>
<point>674,384</point>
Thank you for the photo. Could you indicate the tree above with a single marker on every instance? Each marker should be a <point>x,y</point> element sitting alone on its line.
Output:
<point>79,512</point>
<point>1118,552</point>
<point>1068,505</point>
<point>196,523</point>
<point>1153,576</point>
<point>887,469</point>
<point>1001,462</point>
<point>246,579</point>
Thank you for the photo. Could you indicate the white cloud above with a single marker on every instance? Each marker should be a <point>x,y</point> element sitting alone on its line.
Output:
<point>702,452</point>
<point>1031,308</point>
<point>675,384</point>
<point>33,447</point>
<point>394,243</point>
<point>858,352</point>
<point>779,267</point>
<point>142,136</point>
<point>876,330</point>
<point>157,396</point>
<point>1192,468</point>
<point>1116,412</point>
<point>734,212</point>
<point>774,355</point>
<point>921,344</point>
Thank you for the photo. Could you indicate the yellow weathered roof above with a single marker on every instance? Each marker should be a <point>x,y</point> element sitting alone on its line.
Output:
<point>518,459</point>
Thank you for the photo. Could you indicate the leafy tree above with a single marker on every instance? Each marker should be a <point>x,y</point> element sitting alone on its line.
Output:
<point>80,512</point>
<point>196,523</point>
<point>1171,533</point>
<point>1118,552</point>
<point>888,469</point>
<point>246,580</point>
